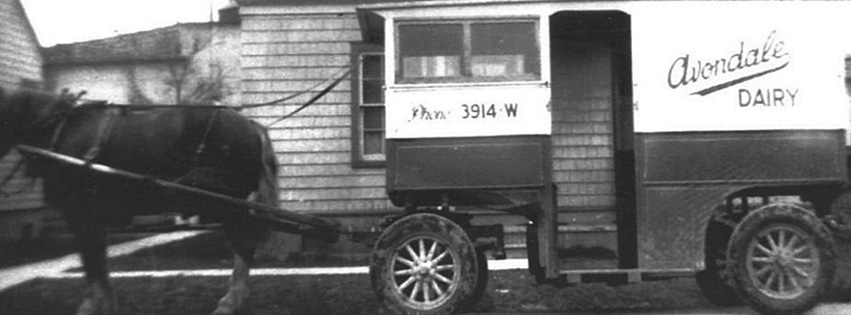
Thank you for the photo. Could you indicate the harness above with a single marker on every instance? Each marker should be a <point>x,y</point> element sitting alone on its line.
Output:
<point>107,124</point>
<point>104,129</point>
<point>199,150</point>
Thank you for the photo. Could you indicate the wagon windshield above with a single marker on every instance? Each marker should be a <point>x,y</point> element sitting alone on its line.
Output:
<point>468,51</point>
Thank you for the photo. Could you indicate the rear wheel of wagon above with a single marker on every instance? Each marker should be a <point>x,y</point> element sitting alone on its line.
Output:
<point>425,264</point>
<point>782,259</point>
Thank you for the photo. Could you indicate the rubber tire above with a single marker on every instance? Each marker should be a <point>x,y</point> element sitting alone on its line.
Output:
<point>433,226</point>
<point>717,288</point>
<point>766,217</point>
<point>482,277</point>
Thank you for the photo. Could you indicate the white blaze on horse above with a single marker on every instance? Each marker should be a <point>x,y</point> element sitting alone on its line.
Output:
<point>209,147</point>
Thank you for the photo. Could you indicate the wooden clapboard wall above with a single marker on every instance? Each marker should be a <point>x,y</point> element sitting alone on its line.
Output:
<point>20,66</point>
<point>584,130</point>
<point>286,51</point>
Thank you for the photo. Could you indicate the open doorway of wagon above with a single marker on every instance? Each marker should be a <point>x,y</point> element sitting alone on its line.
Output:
<point>593,159</point>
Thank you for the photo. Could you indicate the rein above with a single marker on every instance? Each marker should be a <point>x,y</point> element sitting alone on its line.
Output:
<point>348,70</point>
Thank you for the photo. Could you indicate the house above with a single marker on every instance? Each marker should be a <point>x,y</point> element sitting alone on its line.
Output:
<point>192,63</point>
<point>21,213</point>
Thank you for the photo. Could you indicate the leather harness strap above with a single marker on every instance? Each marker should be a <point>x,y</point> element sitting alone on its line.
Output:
<point>203,144</point>
<point>102,136</point>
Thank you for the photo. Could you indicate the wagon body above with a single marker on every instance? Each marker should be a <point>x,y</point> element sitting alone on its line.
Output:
<point>695,110</point>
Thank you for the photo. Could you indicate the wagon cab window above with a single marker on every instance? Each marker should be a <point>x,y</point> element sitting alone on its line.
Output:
<point>432,50</point>
<point>467,51</point>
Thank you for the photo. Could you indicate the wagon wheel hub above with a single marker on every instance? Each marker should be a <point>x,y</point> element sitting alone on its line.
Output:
<point>424,271</point>
<point>782,262</point>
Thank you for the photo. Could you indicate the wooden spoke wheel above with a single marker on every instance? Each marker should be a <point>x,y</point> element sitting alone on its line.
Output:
<point>782,259</point>
<point>425,264</point>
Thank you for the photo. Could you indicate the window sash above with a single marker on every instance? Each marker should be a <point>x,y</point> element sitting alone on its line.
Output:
<point>491,51</point>
<point>368,127</point>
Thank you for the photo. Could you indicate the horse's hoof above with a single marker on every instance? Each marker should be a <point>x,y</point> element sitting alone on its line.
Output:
<point>94,307</point>
<point>227,306</point>
<point>230,311</point>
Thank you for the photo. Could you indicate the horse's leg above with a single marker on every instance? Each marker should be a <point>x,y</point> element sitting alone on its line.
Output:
<point>91,237</point>
<point>244,238</point>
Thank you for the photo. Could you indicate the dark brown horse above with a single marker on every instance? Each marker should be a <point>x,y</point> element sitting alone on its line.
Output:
<point>213,148</point>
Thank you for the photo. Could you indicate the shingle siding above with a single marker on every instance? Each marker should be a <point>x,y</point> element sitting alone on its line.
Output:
<point>288,53</point>
<point>20,61</point>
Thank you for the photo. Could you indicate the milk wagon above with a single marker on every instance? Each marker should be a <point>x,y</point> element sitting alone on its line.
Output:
<point>714,132</point>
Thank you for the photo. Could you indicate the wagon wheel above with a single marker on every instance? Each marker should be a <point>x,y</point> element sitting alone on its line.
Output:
<point>424,264</point>
<point>481,278</point>
<point>782,259</point>
<point>715,281</point>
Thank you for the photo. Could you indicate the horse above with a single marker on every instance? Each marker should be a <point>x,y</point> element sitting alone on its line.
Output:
<point>213,148</point>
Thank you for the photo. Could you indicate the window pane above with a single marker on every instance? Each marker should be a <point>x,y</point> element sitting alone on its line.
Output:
<point>498,65</point>
<point>373,118</point>
<point>372,66</point>
<point>431,39</point>
<point>373,143</point>
<point>504,49</point>
<point>373,92</point>
<point>431,67</point>
<point>431,50</point>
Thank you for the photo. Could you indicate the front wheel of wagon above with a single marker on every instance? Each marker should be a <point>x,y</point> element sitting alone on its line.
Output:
<point>424,264</point>
<point>782,259</point>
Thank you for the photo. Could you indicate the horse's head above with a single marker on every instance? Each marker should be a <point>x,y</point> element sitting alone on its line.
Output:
<point>21,109</point>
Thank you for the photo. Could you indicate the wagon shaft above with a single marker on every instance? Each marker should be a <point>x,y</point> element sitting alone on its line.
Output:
<point>281,219</point>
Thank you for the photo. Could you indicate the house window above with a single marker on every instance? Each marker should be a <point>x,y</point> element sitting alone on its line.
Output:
<point>467,51</point>
<point>368,148</point>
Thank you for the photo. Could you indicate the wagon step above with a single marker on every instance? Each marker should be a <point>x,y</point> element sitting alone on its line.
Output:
<point>282,220</point>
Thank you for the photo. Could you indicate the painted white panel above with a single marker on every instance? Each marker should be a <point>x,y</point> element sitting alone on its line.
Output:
<point>735,66</point>
<point>468,111</point>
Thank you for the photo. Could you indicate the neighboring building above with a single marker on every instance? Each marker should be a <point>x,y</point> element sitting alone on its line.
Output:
<point>21,214</point>
<point>184,63</point>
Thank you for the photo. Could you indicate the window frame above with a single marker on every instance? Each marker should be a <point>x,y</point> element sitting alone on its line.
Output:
<point>465,67</point>
<point>359,159</point>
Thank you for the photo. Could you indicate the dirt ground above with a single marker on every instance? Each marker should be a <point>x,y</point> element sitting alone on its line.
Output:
<point>342,295</point>
<point>50,245</point>
<point>508,291</point>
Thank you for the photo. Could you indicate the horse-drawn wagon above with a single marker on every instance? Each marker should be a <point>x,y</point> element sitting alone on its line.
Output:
<point>716,133</point>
